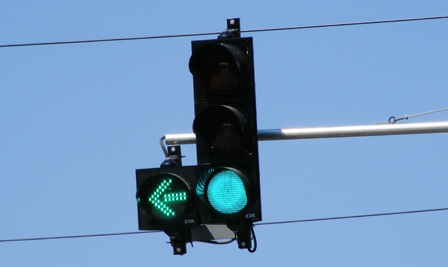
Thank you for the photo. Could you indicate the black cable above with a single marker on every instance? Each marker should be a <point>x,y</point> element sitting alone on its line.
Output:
<point>348,24</point>
<point>355,216</point>
<point>75,236</point>
<point>111,40</point>
<point>252,250</point>
<point>267,223</point>
<point>216,33</point>
<point>214,242</point>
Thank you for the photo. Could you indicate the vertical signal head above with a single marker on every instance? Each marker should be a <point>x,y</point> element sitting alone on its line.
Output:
<point>226,130</point>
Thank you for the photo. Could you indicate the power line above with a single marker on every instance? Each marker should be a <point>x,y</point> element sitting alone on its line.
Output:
<point>74,236</point>
<point>257,224</point>
<point>349,24</point>
<point>355,216</point>
<point>110,40</point>
<point>215,33</point>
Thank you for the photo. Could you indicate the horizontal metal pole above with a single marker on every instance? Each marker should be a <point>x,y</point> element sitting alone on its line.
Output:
<point>353,131</point>
<point>330,132</point>
<point>180,139</point>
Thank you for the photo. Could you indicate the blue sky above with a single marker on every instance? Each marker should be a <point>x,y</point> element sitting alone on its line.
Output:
<point>77,120</point>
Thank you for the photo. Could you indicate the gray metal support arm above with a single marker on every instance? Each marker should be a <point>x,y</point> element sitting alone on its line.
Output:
<point>329,132</point>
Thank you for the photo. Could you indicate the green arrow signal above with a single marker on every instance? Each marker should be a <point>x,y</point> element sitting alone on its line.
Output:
<point>159,199</point>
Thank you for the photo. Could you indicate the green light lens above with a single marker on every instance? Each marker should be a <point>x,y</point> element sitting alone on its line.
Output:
<point>164,196</point>
<point>226,192</point>
<point>159,202</point>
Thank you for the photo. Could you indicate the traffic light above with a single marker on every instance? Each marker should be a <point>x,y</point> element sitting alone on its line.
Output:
<point>165,198</point>
<point>226,130</point>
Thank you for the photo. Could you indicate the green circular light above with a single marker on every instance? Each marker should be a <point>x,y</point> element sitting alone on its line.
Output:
<point>224,190</point>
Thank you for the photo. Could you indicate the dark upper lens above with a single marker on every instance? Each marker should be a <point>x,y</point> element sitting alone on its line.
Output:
<point>224,78</point>
<point>220,128</point>
<point>223,132</point>
<point>217,67</point>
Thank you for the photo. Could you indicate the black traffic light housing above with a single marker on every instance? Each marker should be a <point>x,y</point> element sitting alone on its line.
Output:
<point>224,187</point>
<point>226,130</point>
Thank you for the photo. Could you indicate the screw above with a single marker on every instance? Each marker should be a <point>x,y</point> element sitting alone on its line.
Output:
<point>232,22</point>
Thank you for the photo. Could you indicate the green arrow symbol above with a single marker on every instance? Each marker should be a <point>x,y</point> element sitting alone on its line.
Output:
<point>159,198</point>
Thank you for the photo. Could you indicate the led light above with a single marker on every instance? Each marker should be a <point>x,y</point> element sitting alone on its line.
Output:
<point>224,190</point>
<point>166,197</point>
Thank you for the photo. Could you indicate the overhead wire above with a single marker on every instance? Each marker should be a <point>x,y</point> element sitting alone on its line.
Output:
<point>348,24</point>
<point>256,224</point>
<point>215,33</point>
<point>353,216</point>
<point>75,236</point>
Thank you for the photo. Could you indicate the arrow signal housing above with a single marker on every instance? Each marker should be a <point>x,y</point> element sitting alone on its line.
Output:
<point>165,198</point>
